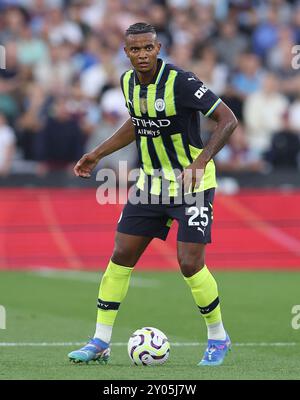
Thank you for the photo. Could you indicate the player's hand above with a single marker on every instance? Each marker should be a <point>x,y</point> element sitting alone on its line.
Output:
<point>191,176</point>
<point>85,165</point>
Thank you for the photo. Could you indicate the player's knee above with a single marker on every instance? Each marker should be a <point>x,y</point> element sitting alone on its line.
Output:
<point>190,266</point>
<point>189,269</point>
<point>122,256</point>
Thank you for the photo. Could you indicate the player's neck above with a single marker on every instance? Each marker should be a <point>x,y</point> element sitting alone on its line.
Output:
<point>147,77</point>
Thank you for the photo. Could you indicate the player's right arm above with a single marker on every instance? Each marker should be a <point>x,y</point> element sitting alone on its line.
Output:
<point>121,138</point>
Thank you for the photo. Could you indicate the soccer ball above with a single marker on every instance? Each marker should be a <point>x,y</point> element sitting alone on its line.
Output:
<point>148,346</point>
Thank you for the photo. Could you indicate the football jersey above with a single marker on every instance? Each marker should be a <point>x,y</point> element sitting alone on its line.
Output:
<point>167,124</point>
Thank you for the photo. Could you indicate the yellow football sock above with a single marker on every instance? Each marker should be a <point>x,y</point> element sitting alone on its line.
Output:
<point>112,291</point>
<point>205,292</point>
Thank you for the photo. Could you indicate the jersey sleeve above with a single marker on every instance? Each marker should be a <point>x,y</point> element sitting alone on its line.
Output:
<point>121,82</point>
<point>194,95</point>
<point>122,87</point>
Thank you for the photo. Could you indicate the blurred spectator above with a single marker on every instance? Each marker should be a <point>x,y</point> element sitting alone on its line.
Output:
<point>159,19</point>
<point>265,35</point>
<point>289,77</point>
<point>238,156</point>
<point>296,23</point>
<point>89,55</point>
<point>10,80</point>
<point>205,27</point>
<point>94,79</point>
<point>112,102</point>
<point>56,72</point>
<point>285,147</point>
<point>230,43</point>
<point>181,55</point>
<point>30,50</point>
<point>15,19</point>
<point>92,12</point>
<point>181,27</point>
<point>84,110</point>
<point>244,80</point>
<point>30,122</point>
<point>60,29</point>
<point>263,113</point>
<point>294,116</point>
<point>109,123</point>
<point>117,16</point>
<point>60,142</point>
<point>276,56</point>
<point>248,77</point>
<point>212,73</point>
<point>7,146</point>
<point>114,114</point>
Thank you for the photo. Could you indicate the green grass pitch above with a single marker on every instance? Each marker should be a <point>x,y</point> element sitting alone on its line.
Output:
<point>59,308</point>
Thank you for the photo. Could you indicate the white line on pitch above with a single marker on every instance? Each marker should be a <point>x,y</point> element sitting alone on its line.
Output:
<point>89,277</point>
<point>175,344</point>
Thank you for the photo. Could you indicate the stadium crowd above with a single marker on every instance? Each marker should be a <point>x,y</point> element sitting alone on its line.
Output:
<point>60,94</point>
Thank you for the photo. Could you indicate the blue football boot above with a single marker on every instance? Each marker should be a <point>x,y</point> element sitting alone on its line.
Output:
<point>94,350</point>
<point>215,352</point>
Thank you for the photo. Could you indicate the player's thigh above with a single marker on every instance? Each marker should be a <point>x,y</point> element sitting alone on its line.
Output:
<point>194,230</point>
<point>128,248</point>
<point>191,257</point>
<point>194,218</point>
<point>137,226</point>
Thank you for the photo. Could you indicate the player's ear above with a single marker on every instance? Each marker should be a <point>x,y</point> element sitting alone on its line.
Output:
<point>126,52</point>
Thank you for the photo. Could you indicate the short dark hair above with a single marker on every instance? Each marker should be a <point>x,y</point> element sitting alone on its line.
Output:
<point>140,27</point>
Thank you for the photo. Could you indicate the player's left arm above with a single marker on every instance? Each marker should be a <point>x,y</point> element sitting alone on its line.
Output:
<point>226,124</point>
<point>210,105</point>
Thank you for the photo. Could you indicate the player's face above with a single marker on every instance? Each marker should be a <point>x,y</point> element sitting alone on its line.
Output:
<point>142,50</point>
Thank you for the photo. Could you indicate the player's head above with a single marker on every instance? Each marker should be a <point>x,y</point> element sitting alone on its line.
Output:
<point>142,46</point>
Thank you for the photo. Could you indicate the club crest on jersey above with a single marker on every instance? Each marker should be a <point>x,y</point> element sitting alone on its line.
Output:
<point>159,105</point>
<point>143,105</point>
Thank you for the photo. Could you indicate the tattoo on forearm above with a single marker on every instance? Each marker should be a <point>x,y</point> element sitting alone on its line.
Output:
<point>218,139</point>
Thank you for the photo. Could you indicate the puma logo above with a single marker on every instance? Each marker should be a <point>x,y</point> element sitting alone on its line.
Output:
<point>202,230</point>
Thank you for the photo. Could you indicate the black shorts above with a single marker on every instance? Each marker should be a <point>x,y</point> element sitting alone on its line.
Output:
<point>154,220</point>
